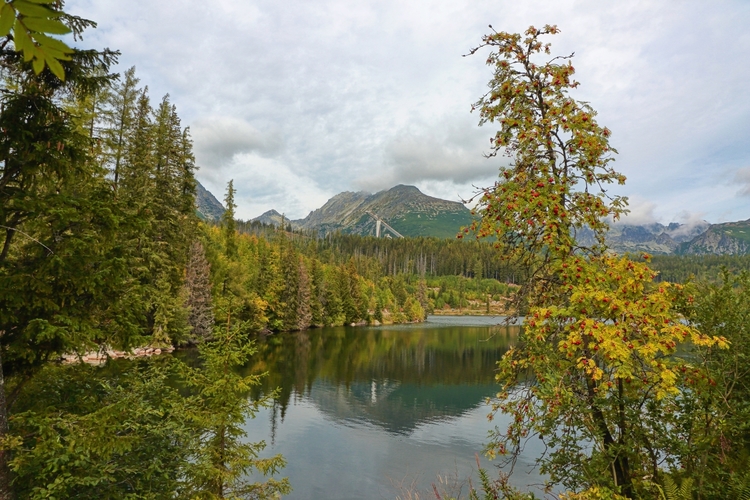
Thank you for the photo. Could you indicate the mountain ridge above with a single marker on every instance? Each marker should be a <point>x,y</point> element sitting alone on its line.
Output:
<point>413,213</point>
<point>728,238</point>
<point>206,204</point>
<point>405,208</point>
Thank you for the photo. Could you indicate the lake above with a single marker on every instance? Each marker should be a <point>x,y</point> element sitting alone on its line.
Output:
<point>381,412</point>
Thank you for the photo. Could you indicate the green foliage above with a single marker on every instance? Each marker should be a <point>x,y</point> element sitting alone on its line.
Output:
<point>60,270</point>
<point>712,425</point>
<point>84,266</point>
<point>683,268</point>
<point>596,373</point>
<point>272,284</point>
<point>221,461</point>
<point>31,21</point>
<point>155,429</point>
<point>81,432</point>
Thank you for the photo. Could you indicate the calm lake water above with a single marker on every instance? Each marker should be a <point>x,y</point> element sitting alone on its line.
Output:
<point>374,412</point>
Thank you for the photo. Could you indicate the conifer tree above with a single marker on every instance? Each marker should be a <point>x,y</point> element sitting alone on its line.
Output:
<point>228,224</point>
<point>315,277</point>
<point>119,118</point>
<point>304,309</point>
<point>332,300</point>
<point>290,289</point>
<point>220,460</point>
<point>135,195</point>
<point>198,301</point>
<point>57,272</point>
<point>174,181</point>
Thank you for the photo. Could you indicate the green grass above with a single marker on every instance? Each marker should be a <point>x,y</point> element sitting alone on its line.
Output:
<point>442,225</point>
<point>740,232</point>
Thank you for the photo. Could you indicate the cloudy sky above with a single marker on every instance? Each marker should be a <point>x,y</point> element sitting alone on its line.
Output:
<point>299,100</point>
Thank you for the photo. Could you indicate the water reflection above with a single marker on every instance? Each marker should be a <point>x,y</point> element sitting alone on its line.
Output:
<point>359,408</point>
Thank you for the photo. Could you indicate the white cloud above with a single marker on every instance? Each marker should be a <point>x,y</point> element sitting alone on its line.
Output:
<point>265,183</point>
<point>642,211</point>
<point>450,151</point>
<point>340,95</point>
<point>218,139</point>
<point>742,177</point>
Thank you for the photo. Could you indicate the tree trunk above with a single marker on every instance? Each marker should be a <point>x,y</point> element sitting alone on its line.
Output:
<point>620,463</point>
<point>6,490</point>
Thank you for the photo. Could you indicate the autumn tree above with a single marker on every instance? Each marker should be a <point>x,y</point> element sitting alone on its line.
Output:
<point>198,289</point>
<point>594,374</point>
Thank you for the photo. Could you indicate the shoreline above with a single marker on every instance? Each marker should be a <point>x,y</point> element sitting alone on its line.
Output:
<point>100,357</point>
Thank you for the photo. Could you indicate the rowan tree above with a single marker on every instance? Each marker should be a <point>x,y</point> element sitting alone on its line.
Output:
<point>594,374</point>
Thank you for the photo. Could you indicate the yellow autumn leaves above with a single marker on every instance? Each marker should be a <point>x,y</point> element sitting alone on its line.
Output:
<point>616,325</point>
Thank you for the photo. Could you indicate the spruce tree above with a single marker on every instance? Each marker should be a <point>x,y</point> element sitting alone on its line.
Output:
<point>289,304</point>
<point>119,118</point>
<point>220,458</point>
<point>198,301</point>
<point>57,270</point>
<point>228,224</point>
<point>304,299</point>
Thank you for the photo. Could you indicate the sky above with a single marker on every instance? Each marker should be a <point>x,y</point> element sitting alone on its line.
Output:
<point>300,100</point>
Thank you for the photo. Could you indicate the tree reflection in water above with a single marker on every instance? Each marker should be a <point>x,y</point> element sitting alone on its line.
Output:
<point>373,404</point>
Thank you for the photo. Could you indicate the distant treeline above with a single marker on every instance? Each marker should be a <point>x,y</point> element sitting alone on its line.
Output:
<point>378,257</point>
<point>433,257</point>
<point>681,268</point>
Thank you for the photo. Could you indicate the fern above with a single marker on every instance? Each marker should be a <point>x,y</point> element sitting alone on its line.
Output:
<point>670,488</point>
<point>671,491</point>
<point>741,488</point>
<point>686,489</point>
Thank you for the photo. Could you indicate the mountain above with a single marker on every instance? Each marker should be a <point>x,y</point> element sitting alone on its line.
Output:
<point>653,238</point>
<point>272,218</point>
<point>729,238</point>
<point>405,208</point>
<point>413,213</point>
<point>206,203</point>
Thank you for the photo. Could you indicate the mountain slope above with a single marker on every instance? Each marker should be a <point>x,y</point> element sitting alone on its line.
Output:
<point>272,218</point>
<point>729,238</point>
<point>653,238</point>
<point>405,208</point>
<point>206,203</point>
